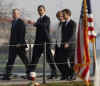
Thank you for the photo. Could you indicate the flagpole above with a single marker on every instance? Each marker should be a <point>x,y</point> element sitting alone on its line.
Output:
<point>94,55</point>
<point>85,27</point>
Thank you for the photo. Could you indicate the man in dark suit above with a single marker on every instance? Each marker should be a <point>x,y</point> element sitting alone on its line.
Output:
<point>17,44</point>
<point>68,43</point>
<point>42,36</point>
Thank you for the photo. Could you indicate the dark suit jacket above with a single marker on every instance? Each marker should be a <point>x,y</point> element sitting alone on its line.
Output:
<point>17,32</point>
<point>69,35</point>
<point>42,31</point>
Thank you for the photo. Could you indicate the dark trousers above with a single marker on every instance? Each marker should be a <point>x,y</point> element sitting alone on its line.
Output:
<point>70,56</point>
<point>61,61</point>
<point>37,51</point>
<point>71,60</point>
<point>64,61</point>
<point>13,52</point>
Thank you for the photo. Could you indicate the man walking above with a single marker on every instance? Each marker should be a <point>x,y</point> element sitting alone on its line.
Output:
<point>42,36</point>
<point>17,44</point>
<point>68,43</point>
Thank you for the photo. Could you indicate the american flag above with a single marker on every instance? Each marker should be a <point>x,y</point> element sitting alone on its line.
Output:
<point>91,31</point>
<point>82,60</point>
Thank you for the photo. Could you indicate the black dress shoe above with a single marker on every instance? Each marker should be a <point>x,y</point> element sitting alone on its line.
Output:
<point>28,77</point>
<point>63,78</point>
<point>73,77</point>
<point>52,77</point>
<point>6,78</point>
<point>70,78</point>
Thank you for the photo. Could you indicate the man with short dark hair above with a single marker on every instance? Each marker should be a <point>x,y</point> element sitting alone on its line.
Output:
<point>42,36</point>
<point>68,44</point>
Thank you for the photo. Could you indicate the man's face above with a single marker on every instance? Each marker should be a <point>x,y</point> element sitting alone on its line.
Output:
<point>16,14</point>
<point>66,16</point>
<point>41,11</point>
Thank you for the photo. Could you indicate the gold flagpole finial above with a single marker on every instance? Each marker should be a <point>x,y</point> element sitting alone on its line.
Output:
<point>85,13</point>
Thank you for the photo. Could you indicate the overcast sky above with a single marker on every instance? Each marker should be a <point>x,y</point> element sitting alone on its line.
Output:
<point>30,6</point>
<point>53,6</point>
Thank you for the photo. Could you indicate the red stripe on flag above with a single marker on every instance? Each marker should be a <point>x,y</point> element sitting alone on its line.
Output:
<point>79,48</point>
<point>86,45</point>
<point>91,36</point>
<point>90,19</point>
<point>84,73</point>
<point>90,28</point>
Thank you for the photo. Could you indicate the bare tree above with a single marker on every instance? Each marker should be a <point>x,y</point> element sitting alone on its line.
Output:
<point>5,12</point>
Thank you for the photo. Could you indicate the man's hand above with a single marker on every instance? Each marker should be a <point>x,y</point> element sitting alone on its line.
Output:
<point>18,45</point>
<point>53,52</point>
<point>66,45</point>
<point>30,22</point>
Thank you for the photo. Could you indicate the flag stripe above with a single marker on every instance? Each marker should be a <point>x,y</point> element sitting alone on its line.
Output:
<point>90,28</point>
<point>86,45</point>
<point>85,72</point>
<point>90,19</point>
<point>79,49</point>
<point>85,31</point>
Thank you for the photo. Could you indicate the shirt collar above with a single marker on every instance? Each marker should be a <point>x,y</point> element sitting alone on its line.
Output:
<point>67,21</point>
<point>15,19</point>
<point>42,16</point>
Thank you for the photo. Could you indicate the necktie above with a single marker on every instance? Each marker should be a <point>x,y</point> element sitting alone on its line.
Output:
<point>13,23</point>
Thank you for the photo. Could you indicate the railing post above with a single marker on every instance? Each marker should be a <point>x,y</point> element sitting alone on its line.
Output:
<point>30,51</point>
<point>44,64</point>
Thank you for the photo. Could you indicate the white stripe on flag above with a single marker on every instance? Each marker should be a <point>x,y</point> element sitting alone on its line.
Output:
<point>90,15</point>
<point>90,24</point>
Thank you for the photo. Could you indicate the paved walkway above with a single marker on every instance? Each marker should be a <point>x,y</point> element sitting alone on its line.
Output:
<point>20,81</point>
